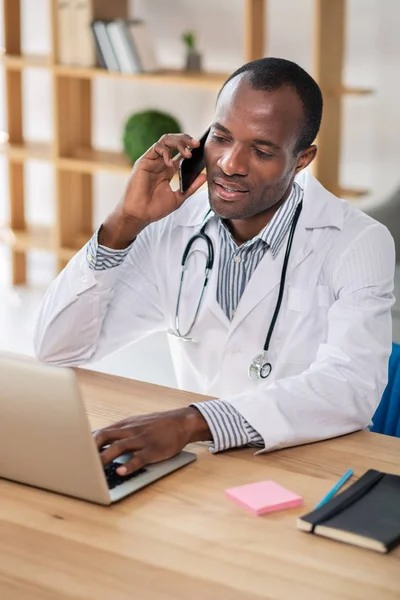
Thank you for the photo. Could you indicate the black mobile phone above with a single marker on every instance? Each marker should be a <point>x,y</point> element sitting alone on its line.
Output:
<point>190,168</point>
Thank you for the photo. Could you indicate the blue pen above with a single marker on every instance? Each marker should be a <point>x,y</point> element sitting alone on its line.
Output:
<point>336,488</point>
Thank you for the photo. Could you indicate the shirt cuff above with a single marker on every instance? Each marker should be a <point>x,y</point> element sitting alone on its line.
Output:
<point>101,258</point>
<point>228,428</point>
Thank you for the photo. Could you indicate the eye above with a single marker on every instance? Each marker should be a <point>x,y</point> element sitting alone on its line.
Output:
<point>218,138</point>
<point>263,155</point>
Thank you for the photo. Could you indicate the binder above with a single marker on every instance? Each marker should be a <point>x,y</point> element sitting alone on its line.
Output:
<point>99,55</point>
<point>84,12</point>
<point>367,514</point>
<point>104,44</point>
<point>65,30</point>
<point>123,51</point>
<point>142,45</point>
<point>84,53</point>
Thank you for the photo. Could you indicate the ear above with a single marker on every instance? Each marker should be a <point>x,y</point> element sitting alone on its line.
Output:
<point>306,157</point>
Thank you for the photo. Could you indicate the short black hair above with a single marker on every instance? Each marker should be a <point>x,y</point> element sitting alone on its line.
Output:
<point>269,74</point>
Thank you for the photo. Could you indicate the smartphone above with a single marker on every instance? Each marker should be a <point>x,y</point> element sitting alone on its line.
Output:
<point>190,168</point>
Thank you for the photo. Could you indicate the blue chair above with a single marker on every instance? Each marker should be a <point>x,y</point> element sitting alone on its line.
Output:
<point>387,416</point>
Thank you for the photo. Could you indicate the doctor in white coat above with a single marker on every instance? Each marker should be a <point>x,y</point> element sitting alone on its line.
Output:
<point>326,362</point>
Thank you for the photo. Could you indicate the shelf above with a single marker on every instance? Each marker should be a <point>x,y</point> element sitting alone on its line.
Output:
<point>347,91</point>
<point>352,194</point>
<point>17,62</point>
<point>32,150</point>
<point>165,76</point>
<point>37,237</point>
<point>87,160</point>
<point>82,160</point>
<point>350,91</point>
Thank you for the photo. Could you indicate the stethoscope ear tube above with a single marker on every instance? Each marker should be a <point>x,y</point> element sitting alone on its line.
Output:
<point>210,248</point>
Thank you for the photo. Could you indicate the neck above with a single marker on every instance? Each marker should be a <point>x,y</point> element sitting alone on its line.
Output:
<point>243,230</point>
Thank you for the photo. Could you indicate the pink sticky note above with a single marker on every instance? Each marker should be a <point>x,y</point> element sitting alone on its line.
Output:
<point>263,497</point>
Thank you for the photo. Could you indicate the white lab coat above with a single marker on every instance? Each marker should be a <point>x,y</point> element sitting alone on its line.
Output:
<point>332,340</point>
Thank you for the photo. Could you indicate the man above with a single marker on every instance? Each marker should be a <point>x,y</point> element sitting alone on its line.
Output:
<point>331,341</point>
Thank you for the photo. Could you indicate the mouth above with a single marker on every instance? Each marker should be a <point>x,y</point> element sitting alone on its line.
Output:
<point>229,191</point>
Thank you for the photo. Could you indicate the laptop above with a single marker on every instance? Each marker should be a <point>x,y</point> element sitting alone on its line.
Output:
<point>46,440</point>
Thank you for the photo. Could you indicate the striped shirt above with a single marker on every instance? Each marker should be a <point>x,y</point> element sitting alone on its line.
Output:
<point>238,263</point>
<point>236,266</point>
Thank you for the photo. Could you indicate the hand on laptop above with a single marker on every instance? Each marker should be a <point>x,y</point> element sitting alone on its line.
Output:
<point>151,438</point>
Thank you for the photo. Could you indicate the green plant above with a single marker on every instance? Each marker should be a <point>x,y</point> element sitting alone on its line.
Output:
<point>189,39</point>
<point>143,129</point>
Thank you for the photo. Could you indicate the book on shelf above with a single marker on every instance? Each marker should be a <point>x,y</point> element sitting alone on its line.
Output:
<point>126,56</point>
<point>105,50</point>
<point>75,39</point>
<point>64,25</point>
<point>142,43</point>
<point>82,42</point>
<point>124,46</point>
<point>75,44</point>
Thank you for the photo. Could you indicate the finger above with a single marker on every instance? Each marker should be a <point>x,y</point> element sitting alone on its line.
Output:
<point>138,461</point>
<point>105,436</point>
<point>181,142</point>
<point>164,152</point>
<point>197,183</point>
<point>183,152</point>
<point>120,447</point>
<point>174,139</point>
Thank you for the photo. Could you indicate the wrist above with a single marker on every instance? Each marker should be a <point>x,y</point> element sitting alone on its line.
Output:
<point>195,426</point>
<point>119,230</point>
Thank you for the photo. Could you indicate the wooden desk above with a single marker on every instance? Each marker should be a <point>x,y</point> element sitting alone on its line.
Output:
<point>181,539</point>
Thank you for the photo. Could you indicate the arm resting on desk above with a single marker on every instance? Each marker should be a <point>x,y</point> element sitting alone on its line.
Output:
<point>100,267</point>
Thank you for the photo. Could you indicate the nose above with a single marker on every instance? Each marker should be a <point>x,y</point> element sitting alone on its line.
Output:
<point>233,161</point>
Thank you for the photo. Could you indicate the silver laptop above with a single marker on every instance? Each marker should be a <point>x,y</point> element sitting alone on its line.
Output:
<point>46,441</point>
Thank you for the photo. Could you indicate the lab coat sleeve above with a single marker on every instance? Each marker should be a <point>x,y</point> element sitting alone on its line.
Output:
<point>87,314</point>
<point>341,389</point>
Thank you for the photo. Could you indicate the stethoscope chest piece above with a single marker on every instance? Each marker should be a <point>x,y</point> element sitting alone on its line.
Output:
<point>260,367</point>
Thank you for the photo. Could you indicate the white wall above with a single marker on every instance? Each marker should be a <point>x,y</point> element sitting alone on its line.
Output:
<point>371,124</point>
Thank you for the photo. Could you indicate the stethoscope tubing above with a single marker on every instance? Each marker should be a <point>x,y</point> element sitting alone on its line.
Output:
<point>256,363</point>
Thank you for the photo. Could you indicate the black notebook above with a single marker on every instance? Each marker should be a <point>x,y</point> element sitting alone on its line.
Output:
<point>367,514</point>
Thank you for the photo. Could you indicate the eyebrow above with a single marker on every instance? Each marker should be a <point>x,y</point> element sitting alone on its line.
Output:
<point>257,141</point>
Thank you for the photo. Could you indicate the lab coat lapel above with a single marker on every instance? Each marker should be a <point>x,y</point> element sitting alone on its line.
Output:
<point>267,276</point>
<point>318,212</point>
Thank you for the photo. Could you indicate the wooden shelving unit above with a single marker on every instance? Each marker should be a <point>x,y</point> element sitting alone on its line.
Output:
<point>329,52</point>
<point>71,153</point>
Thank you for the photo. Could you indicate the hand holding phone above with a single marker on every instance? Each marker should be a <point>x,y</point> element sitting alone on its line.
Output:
<point>148,196</point>
<point>190,168</point>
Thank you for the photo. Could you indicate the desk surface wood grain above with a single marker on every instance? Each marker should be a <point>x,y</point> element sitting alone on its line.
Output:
<point>181,539</point>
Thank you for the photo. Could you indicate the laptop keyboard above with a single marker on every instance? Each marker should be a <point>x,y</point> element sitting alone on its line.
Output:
<point>113,479</point>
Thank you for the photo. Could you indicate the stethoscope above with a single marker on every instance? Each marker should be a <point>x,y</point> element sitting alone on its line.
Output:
<point>260,367</point>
